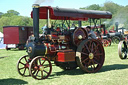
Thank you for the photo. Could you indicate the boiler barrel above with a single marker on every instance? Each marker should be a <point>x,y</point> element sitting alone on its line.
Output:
<point>34,50</point>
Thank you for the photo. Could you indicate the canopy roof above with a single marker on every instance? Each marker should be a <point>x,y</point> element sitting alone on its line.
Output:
<point>71,14</point>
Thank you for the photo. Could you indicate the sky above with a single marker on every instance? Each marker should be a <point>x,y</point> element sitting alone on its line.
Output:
<point>24,7</point>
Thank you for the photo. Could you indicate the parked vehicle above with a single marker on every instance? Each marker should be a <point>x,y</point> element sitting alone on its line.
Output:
<point>16,36</point>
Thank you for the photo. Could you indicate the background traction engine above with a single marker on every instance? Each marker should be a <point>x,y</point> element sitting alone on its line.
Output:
<point>68,51</point>
<point>122,49</point>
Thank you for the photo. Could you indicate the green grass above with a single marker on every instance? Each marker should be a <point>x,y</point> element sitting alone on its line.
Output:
<point>113,72</point>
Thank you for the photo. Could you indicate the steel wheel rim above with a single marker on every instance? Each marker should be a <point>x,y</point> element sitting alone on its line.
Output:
<point>23,66</point>
<point>38,68</point>
<point>93,63</point>
<point>122,50</point>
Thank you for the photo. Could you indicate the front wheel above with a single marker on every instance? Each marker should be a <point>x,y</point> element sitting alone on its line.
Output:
<point>23,66</point>
<point>40,68</point>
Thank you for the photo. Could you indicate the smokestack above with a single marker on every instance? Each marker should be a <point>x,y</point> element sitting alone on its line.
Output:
<point>103,26</point>
<point>36,21</point>
<point>80,23</point>
<point>116,24</point>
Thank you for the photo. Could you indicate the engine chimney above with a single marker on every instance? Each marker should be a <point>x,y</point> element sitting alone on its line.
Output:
<point>36,21</point>
<point>80,23</point>
<point>116,24</point>
<point>103,26</point>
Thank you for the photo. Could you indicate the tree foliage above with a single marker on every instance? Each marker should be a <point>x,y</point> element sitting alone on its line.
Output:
<point>92,7</point>
<point>11,13</point>
<point>12,18</point>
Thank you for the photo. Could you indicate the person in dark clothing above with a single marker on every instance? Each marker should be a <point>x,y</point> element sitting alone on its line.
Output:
<point>91,34</point>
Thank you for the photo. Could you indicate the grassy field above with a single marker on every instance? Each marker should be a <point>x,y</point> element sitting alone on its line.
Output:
<point>113,72</point>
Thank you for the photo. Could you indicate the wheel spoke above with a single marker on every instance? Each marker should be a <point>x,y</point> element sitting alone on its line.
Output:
<point>87,48</point>
<point>93,64</point>
<point>89,62</point>
<point>92,47</point>
<point>37,72</point>
<point>39,61</point>
<point>125,53</point>
<point>33,71</point>
<point>83,61</point>
<point>96,62</point>
<point>21,68</point>
<point>84,53</point>
<point>25,59</point>
<point>92,67</point>
<point>24,71</point>
<point>46,66</point>
<point>96,58</point>
<point>45,71</point>
<point>43,62</point>
<point>42,74</point>
<point>21,63</point>
<point>95,48</point>
<point>98,54</point>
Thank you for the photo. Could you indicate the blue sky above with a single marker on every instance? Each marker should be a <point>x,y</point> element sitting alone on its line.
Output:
<point>24,7</point>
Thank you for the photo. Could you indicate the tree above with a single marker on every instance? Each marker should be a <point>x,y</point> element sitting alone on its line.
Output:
<point>122,17</point>
<point>93,7</point>
<point>112,7</point>
<point>11,13</point>
<point>1,14</point>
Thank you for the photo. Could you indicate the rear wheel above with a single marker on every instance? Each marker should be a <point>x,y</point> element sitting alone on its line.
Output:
<point>79,35</point>
<point>122,50</point>
<point>90,55</point>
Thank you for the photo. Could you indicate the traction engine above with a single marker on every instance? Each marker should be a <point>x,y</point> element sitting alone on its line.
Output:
<point>68,49</point>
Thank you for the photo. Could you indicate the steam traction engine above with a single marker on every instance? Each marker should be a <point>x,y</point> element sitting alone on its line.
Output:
<point>68,48</point>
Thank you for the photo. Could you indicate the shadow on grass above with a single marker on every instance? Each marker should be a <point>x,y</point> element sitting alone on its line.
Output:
<point>17,50</point>
<point>67,72</point>
<point>12,81</point>
<point>80,72</point>
<point>3,57</point>
<point>113,67</point>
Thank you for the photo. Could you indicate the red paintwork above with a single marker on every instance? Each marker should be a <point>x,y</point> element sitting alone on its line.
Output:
<point>112,31</point>
<point>15,34</point>
<point>71,14</point>
<point>11,35</point>
<point>43,15</point>
<point>102,32</point>
<point>65,56</point>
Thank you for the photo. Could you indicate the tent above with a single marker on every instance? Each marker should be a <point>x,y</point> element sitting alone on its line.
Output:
<point>1,34</point>
<point>2,45</point>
